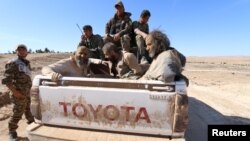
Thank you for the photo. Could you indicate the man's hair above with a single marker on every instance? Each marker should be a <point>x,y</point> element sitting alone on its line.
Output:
<point>21,46</point>
<point>80,47</point>
<point>119,3</point>
<point>145,13</point>
<point>87,27</point>
<point>161,41</point>
<point>108,47</point>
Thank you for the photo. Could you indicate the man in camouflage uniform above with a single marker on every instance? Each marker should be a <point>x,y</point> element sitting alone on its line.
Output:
<point>17,77</point>
<point>140,29</point>
<point>119,27</point>
<point>93,42</point>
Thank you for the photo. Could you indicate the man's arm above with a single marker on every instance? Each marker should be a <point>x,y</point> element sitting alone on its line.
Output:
<point>95,61</point>
<point>139,32</point>
<point>127,29</point>
<point>10,71</point>
<point>56,70</point>
<point>82,42</point>
<point>108,27</point>
<point>15,92</point>
<point>131,61</point>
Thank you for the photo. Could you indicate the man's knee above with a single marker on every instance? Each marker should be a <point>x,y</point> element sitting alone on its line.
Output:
<point>125,42</point>
<point>107,39</point>
<point>140,41</point>
<point>139,37</point>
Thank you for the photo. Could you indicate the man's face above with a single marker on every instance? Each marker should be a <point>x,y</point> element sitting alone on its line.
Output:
<point>87,33</point>
<point>22,52</point>
<point>144,19</point>
<point>151,46</point>
<point>81,57</point>
<point>119,10</point>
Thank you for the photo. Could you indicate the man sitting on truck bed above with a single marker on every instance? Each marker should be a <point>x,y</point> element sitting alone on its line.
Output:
<point>167,63</point>
<point>78,65</point>
<point>123,64</point>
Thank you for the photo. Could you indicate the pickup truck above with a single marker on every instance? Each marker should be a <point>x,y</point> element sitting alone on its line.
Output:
<point>111,106</point>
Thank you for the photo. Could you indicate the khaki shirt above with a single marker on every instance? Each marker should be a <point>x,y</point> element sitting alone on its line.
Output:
<point>164,68</point>
<point>68,67</point>
<point>127,63</point>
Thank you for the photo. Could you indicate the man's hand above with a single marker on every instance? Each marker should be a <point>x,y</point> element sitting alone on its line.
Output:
<point>106,63</point>
<point>139,32</point>
<point>18,95</point>
<point>56,76</point>
<point>83,37</point>
<point>117,37</point>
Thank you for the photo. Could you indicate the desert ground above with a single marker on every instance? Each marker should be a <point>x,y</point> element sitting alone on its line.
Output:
<point>218,92</point>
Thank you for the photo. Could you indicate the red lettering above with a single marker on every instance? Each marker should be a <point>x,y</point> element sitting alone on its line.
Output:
<point>64,104</point>
<point>127,111</point>
<point>83,108</point>
<point>95,111</point>
<point>111,112</point>
<point>139,115</point>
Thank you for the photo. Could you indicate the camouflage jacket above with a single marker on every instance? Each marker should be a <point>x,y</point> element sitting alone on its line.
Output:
<point>94,44</point>
<point>123,26</point>
<point>140,26</point>
<point>18,73</point>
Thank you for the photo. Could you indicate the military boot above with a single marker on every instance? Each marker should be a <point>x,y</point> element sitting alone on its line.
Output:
<point>12,136</point>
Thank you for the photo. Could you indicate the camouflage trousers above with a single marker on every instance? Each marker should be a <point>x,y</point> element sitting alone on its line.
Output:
<point>21,106</point>
<point>123,43</point>
<point>140,42</point>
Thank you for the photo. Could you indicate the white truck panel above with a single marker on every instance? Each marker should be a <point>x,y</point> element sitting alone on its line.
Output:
<point>114,105</point>
<point>118,109</point>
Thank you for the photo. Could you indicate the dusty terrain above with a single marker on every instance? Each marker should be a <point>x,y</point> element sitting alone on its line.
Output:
<point>218,92</point>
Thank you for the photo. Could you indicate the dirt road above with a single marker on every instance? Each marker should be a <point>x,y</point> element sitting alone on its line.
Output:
<point>218,93</point>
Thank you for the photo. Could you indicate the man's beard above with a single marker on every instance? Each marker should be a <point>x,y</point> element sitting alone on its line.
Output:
<point>152,53</point>
<point>22,56</point>
<point>82,63</point>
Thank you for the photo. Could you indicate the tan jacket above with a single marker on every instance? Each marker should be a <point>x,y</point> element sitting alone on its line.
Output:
<point>127,63</point>
<point>68,67</point>
<point>164,68</point>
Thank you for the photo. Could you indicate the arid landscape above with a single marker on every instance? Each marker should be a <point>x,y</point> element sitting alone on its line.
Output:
<point>218,92</point>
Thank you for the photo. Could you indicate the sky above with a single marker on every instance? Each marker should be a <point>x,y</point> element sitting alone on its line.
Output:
<point>194,27</point>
